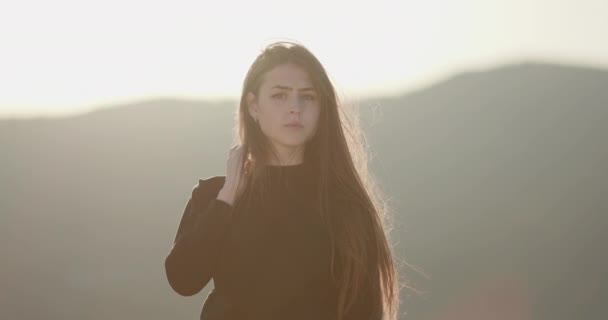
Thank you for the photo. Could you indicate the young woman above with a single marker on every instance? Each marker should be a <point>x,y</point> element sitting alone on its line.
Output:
<point>294,230</point>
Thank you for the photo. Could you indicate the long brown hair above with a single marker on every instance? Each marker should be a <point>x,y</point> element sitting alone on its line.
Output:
<point>350,205</point>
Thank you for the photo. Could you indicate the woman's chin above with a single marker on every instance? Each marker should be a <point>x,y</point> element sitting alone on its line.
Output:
<point>292,143</point>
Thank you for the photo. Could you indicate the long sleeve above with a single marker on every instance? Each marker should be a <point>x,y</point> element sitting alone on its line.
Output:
<point>191,262</point>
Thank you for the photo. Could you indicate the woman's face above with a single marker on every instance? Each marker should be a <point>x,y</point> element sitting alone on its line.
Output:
<point>286,96</point>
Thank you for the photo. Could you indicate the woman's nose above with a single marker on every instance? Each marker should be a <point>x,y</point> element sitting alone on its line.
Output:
<point>296,105</point>
<point>295,109</point>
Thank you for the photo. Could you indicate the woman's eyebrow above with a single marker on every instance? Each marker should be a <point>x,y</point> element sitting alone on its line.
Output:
<point>290,88</point>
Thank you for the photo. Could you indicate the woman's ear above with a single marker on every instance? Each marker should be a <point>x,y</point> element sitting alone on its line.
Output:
<point>252,105</point>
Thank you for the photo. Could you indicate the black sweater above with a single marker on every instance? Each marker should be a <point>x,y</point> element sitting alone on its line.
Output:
<point>266,262</point>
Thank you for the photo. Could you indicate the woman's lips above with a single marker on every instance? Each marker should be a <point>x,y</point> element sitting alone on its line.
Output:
<point>294,125</point>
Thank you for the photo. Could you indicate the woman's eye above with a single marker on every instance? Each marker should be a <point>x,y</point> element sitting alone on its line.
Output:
<point>281,95</point>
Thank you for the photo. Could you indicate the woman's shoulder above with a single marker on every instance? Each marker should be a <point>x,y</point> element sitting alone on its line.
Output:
<point>210,185</point>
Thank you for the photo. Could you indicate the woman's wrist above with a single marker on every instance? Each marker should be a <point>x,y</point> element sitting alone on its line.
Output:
<point>226,196</point>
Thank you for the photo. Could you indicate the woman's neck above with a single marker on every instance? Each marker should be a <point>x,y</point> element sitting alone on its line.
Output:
<point>286,156</point>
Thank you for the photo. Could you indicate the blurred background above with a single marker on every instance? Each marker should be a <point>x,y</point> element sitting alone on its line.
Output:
<point>487,123</point>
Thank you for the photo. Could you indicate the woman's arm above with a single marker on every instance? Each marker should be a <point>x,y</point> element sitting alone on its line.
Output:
<point>191,262</point>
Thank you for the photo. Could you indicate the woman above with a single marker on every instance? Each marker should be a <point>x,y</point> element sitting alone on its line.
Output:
<point>294,230</point>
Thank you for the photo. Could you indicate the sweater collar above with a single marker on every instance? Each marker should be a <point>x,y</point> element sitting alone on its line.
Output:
<point>298,172</point>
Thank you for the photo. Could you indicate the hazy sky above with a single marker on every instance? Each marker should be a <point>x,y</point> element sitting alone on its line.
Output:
<point>63,56</point>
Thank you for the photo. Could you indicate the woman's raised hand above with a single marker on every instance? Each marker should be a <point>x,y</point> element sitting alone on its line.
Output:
<point>234,184</point>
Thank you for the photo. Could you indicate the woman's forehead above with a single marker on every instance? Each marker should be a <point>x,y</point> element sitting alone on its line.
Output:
<point>287,77</point>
